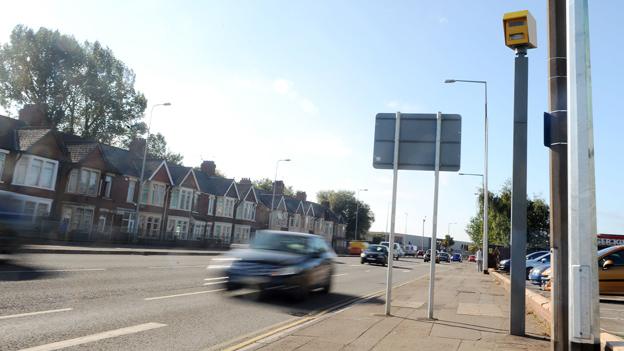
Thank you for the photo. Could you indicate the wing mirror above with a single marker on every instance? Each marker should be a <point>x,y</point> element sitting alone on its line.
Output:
<point>544,260</point>
<point>607,264</point>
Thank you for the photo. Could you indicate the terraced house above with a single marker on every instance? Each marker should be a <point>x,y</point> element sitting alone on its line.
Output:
<point>73,188</point>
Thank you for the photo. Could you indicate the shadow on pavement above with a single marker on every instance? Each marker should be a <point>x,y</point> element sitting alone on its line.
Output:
<point>314,303</point>
<point>12,271</point>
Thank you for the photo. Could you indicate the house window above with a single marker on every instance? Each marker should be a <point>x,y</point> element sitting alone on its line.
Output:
<point>149,225</point>
<point>178,227</point>
<point>127,222</point>
<point>36,172</point>
<point>241,234</point>
<point>181,199</point>
<point>83,181</point>
<point>199,230</point>
<point>2,161</point>
<point>101,224</point>
<point>79,218</point>
<point>153,194</point>
<point>131,187</point>
<point>223,231</point>
<point>246,211</point>
<point>225,206</point>
<point>108,185</point>
<point>211,203</point>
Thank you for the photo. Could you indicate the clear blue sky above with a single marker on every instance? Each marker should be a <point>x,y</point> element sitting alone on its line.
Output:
<point>254,81</point>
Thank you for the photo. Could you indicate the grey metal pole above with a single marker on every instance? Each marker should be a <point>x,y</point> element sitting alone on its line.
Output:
<point>435,217</point>
<point>395,174</point>
<point>357,216</point>
<point>138,203</point>
<point>422,241</point>
<point>518,196</point>
<point>584,312</point>
<point>486,194</point>
<point>558,105</point>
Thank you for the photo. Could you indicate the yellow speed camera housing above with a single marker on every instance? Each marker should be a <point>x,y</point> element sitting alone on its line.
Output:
<point>520,30</point>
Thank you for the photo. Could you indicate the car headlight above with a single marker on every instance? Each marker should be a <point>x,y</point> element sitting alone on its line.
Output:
<point>290,270</point>
<point>362,255</point>
<point>222,262</point>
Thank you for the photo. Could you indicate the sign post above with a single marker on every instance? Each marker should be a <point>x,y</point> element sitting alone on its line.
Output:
<point>428,142</point>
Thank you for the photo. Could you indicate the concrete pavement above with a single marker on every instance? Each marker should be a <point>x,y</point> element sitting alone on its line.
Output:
<point>471,313</point>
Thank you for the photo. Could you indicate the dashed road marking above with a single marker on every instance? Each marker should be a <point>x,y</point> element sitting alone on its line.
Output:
<point>216,278</point>
<point>179,295</point>
<point>35,313</point>
<point>339,275</point>
<point>96,337</point>
<point>183,266</point>
<point>57,270</point>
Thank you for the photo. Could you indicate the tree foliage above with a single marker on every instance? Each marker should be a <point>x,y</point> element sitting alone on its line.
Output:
<point>157,148</point>
<point>448,241</point>
<point>266,184</point>
<point>344,203</point>
<point>85,89</point>
<point>538,221</point>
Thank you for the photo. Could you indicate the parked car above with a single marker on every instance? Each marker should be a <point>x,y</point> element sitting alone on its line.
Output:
<point>375,254</point>
<point>535,276</point>
<point>277,260</point>
<point>443,256</point>
<point>398,251</point>
<point>531,261</point>
<point>540,260</point>
<point>420,254</point>
<point>611,270</point>
<point>472,258</point>
<point>356,247</point>
<point>456,257</point>
<point>536,254</point>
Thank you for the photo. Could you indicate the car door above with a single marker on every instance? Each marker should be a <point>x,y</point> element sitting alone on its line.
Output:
<point>321,263</point>
<point>611,278</point>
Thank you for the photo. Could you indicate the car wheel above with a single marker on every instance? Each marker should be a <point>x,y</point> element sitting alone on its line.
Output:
<point>528,271</point>
<point>325,289</point>
<point>362,261</point>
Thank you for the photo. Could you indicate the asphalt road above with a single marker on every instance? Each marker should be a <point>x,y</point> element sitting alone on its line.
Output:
<point>130,302</point>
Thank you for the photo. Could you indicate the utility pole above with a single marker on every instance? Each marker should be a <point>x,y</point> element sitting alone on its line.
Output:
<point>584,312</point>
<point>422,241</point>
<point>556,123</point>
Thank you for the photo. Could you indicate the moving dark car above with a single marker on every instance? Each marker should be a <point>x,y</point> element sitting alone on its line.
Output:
<point>375,254</point>
<point>285,261</point>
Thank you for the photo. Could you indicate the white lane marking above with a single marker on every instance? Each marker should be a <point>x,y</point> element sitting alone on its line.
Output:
<point>57,270</point>
<point>184,294</point>
<point>35,313</point>
<point>184,266</point>
<point>213,283</point>
<point>366,271</point>
<point>612,318</point>
<point>96,337</point>
<point>217,278</point>
<point>339,275</point>
<point>355,265</point>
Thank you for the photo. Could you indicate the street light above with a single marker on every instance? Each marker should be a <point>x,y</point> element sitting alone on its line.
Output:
<point>422,241</point>
<point>275,180</point>
<point>149,126</point>
<point>357,211</point>
<point>486,193</point>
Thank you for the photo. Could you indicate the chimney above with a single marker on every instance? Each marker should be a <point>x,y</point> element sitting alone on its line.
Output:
<point>245,181</point>
<point>279,187</point>
<point>301,196</point>
<point>209,168</point>
<point>34,115</point>
<point>137,147</point>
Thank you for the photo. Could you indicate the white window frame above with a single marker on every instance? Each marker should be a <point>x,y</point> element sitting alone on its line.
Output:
<point>29,159</point>
<point>130,194</point>
<point>224,231</point>
<point>73,212</point>
<point>108,185</point>
<point>146,218</point>
<point>151,187</point>
<point>178,226</point>
<point>75,179</point>
<point>225,206</point>
<point>3,156</point>
<point>211,204</point>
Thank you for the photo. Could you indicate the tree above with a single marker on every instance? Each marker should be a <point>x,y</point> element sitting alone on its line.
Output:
<point>84,88</point>
<point>344,203</point>
<point>157,148</point>
<point>448,241</point>
<point>266,184</point>
<point>538,222</point>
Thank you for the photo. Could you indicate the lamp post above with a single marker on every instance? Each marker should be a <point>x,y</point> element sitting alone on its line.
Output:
<point>357,211</point>
<point>274,181</point>
<point>422,241</point>
<point>486,193</point>
<point>149,126</point>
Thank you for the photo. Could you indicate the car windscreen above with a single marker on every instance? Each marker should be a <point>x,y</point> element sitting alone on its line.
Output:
<point>281,242</point>
<point>377,248</point>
